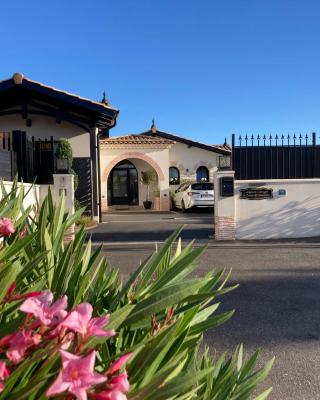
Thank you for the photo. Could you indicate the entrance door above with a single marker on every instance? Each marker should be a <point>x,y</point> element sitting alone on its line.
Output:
<point>124,184</point>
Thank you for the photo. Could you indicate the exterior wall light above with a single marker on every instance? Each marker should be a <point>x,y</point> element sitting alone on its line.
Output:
<point>224,162</point>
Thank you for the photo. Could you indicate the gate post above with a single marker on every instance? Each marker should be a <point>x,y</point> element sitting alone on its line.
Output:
<point>63,183</point>
<point>224,209</point>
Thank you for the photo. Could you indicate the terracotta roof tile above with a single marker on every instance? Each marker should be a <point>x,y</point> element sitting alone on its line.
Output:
<point>222,146</point>
<point>222,149</point>
<point>137,139</point>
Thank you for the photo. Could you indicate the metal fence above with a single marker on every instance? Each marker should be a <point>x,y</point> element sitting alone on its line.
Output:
<point>275,157</point>
<point>8,159</point>
<point>35,158</point>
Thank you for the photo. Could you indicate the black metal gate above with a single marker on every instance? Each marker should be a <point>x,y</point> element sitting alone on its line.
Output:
<point>277,157</point>
<point>23,147</point>
<point>82,167</point>
<point>34,158</point>
<point>44,161</point>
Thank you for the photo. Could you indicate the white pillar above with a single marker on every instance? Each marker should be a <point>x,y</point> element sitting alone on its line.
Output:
<point>224,209</point>
<point>64,183</point>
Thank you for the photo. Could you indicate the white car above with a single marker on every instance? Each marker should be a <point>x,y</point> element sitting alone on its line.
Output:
<point>190,195</point>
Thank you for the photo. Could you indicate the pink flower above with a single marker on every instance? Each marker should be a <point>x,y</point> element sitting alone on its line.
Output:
<point>23,232</point>
<point>117,388</point>
<point>77,375</point>
<point>6,227</point>
<point>119,363</point>
<point>4,373</point>
<point>20,342</point>
<point>42,308</point>
<point>79,320</point>
<point>110,395</point>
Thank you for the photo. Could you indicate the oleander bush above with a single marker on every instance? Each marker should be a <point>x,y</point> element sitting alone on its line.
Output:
<point>71,329</point>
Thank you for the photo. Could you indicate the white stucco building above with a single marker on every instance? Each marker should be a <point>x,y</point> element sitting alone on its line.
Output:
<point>34,117</point>
<point>173,159</point>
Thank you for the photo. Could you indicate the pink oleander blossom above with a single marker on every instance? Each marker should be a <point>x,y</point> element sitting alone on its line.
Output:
<point>6,227</point>
<point>23,232</point>
<point>120,382</point>
<point>42,308</point>
<point>19,344</point>
<point>77,375</point>
<point>115,367</point>
<point>4,373</point>
<point>79,320</point>
<point>116,386</point>
<point>110,395</point>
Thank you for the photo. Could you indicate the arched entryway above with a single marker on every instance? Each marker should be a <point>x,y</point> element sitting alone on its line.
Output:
<point>123,188</point>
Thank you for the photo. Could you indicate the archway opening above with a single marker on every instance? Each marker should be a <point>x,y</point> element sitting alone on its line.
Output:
<point>123,185</point>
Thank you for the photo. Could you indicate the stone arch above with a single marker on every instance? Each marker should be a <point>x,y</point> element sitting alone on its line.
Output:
<point>129,155</point>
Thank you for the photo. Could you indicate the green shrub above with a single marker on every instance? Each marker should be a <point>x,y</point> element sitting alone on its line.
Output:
<point>64,150</point>
<point>159,314</point>
<point>147,178</point>
<point>85,221</point>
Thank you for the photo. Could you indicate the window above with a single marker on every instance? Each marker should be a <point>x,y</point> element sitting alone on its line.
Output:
<point>174,176</point>
<point>202,174</point>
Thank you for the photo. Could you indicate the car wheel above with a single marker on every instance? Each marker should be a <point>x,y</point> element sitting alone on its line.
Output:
<point>183,207</point>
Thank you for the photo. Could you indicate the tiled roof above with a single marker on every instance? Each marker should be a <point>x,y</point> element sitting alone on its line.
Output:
<point>137,139</point>
<point>222,149</point>
<point>222,146</point>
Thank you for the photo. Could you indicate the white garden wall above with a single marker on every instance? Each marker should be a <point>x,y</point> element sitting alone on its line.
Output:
<point>295,215</point>
<point>33,196</point>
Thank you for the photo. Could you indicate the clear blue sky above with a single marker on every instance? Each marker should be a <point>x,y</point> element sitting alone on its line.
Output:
<point>203,69</point>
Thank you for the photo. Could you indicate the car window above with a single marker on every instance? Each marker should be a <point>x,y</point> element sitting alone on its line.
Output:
<point>202,186</point>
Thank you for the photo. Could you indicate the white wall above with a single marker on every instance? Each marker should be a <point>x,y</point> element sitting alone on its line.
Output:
<point>44,127</point>
<point>33,196</point>
<point>292,216</point>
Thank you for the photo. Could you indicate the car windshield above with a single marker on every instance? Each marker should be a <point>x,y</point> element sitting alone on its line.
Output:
<point>202,186</point>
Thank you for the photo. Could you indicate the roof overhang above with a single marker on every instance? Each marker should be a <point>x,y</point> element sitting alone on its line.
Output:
<point>20,95</point>
<point>188,142</point>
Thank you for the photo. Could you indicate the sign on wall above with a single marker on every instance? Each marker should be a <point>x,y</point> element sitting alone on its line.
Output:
<point>256,193</point>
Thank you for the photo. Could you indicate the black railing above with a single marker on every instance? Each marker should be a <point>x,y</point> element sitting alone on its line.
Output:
<point>276,157</point>
<point>35,158</point>
<point>8,159</point>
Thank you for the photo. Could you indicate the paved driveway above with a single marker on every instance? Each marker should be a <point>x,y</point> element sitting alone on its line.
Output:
<point>277,304</point>
<point>151,227</point>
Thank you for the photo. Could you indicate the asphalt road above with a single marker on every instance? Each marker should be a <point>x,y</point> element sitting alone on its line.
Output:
<point>151,227</point>
<point>277,304</point>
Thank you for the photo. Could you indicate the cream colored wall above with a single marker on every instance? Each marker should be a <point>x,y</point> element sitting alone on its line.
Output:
<point>44,127</point>
<point>292,216</point>
<point>33,193</point>
<point>160,156</point>
<point>184,158</point>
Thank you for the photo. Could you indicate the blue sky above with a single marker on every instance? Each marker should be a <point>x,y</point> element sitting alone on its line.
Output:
<point>204,69</point>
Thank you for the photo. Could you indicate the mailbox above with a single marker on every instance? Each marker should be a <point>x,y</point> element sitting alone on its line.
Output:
<point>226,186</point>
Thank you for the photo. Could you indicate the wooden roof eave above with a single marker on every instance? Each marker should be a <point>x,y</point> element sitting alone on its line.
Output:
<point>61,105</point>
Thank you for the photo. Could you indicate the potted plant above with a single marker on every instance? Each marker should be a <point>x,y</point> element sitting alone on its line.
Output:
<point>64,159</point>
<point>147,178</point>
